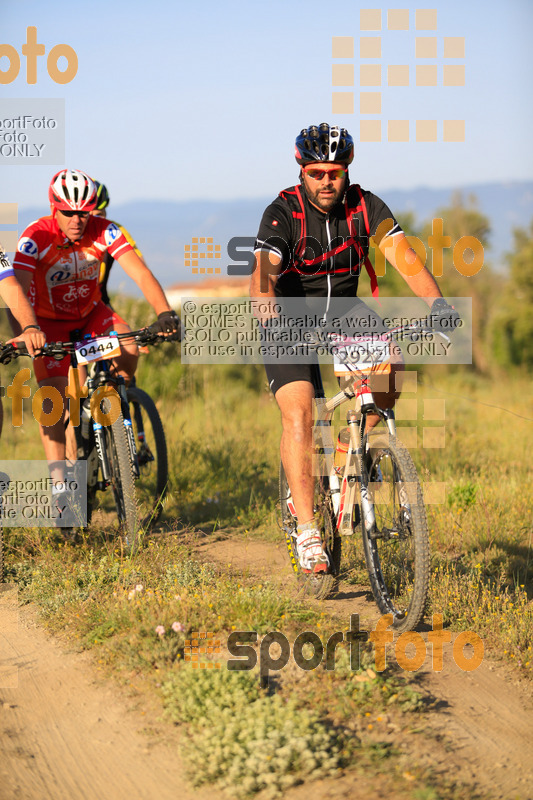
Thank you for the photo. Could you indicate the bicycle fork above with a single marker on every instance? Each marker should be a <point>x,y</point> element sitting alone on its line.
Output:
<point>99,441</point>
<point>355,481</point>
<point>131,446</point>
<point>129,429</point>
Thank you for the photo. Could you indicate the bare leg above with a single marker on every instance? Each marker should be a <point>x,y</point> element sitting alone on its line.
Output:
<point>126,363</point>
<point>53,436</point>
<point>71,452</point>
<point>295,401</point>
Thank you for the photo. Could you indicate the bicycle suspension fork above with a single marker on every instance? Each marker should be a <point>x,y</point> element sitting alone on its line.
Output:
<point>99,441</point>
<point>129,427</point>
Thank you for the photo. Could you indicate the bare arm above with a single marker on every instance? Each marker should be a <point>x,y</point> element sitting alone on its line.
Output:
<point>403,258</point>
<point>264,277</point>
<point>14,290</point>
<point>145,280</point>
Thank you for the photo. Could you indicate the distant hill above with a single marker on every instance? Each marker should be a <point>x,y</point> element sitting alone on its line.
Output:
<point>163,228</point>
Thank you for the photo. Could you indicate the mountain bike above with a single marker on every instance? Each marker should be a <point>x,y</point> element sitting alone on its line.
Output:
<point>375,493</point>
<point>151,482</point>
<point>120,452</point>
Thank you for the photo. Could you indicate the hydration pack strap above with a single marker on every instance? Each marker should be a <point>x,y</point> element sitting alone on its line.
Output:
<point>350,213</point>
<point>352,240</point>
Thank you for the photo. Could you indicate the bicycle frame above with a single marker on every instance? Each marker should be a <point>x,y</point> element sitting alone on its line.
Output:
<point>345,487</point>
<point>353,481</point>
<point>101,375</point>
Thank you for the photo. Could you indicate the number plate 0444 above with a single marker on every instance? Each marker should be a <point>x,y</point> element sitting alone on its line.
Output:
<point>97,349</point>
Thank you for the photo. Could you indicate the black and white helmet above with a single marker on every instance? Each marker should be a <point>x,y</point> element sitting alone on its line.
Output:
<point>322,143</point>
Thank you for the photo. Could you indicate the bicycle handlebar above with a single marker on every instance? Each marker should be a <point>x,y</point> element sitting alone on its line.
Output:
<point>339,344</point>
<point>59,350</point>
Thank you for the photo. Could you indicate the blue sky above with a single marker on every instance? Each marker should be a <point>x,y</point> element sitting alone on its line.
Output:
<point>180,100</point>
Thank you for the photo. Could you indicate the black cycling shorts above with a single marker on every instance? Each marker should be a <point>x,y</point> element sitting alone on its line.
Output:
<point>360,319</point>
<point>280,374</point>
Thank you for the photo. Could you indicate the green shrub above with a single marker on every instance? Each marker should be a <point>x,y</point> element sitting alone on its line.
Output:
<point>243,741</point>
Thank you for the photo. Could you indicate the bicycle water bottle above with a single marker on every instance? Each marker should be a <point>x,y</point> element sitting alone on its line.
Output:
<point>341,451</point>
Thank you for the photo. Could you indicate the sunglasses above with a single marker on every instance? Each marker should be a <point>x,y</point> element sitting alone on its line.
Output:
<point>80,214</point>
<point>319,174</point>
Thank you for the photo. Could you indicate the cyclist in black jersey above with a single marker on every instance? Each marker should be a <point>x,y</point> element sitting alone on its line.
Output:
<point>312,243</point>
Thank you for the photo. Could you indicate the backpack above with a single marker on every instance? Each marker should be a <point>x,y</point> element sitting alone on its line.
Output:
<point>293,197</point>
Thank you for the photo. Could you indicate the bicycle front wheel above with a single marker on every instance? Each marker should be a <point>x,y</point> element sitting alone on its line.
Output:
<point>397,546</point>
<point>152,483</point>
<point>123,481</point>
<point>321,584</point>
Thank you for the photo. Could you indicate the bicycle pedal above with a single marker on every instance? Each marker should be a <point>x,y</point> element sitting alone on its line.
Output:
<point>319,569</point>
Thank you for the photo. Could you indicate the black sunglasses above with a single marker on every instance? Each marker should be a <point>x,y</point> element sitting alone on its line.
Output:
<point>81,214</point>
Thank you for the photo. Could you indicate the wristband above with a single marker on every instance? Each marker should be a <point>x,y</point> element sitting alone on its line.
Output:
<point>37,328</point>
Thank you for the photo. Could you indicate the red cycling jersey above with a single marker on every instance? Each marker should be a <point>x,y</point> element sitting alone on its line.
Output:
<point>65,274</point>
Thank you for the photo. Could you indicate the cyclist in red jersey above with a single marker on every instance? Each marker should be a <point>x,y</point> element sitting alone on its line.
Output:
<point>13,296</point>
<point>58,264</point>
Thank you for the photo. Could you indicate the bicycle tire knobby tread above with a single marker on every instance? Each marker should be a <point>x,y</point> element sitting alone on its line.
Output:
<point>138,396</point>
<point>387,444</point>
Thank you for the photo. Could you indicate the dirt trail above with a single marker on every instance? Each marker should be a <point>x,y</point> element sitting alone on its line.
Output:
<point>485,715</point>
<point>66,734</point>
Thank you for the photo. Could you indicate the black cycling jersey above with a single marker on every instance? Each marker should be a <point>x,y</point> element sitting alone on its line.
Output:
<point>108,261</point>
<point>323,267</point>
<point>105,269</point>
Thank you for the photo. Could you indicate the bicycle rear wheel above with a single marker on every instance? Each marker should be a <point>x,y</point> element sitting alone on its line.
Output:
<point>152,484</point>
<point>122,481</point>
<point>321,584</point>
<point>397,547</point>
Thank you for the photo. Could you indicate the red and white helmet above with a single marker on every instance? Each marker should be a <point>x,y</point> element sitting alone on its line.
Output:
<point>72,190</point>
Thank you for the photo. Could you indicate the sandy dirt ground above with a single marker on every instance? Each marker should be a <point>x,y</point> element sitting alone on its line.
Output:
<point>66,733</point>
